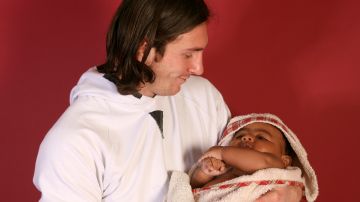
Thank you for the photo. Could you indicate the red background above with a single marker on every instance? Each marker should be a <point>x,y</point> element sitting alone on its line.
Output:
<point>296,59</point>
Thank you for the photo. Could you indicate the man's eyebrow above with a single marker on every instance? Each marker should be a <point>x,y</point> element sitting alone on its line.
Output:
<point>195,49</point>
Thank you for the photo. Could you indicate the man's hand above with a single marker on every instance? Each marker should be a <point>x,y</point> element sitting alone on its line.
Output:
<point>282,194</point>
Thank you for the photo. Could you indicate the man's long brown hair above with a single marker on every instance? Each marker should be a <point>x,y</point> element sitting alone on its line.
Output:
<point>157,22</point>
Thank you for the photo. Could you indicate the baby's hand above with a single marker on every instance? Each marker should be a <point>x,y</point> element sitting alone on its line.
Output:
<point>215,152</point>
<point>212,166</point>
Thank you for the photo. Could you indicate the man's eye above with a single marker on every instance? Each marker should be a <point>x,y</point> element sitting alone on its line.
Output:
<point>188,55</point>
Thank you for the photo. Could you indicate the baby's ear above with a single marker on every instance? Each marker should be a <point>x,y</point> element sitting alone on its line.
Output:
<point>287,160</point>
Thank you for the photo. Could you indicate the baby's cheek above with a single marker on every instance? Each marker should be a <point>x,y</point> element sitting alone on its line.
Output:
<point>264,148</point>
<point>234,142</point>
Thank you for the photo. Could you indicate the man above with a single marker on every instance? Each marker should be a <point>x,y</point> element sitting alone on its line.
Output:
<point>138,116</point>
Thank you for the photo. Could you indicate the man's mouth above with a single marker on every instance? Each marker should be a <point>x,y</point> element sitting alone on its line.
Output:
<point>183,78</point>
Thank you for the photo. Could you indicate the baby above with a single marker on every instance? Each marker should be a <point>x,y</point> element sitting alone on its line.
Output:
<point>255,146</point>
<point>256,154</point>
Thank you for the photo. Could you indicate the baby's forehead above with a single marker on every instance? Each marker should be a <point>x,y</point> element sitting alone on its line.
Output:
<point>260,126</point>
<point>271,131</point>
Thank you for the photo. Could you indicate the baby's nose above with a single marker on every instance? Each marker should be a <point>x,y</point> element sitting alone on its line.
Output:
<point>247,138</point>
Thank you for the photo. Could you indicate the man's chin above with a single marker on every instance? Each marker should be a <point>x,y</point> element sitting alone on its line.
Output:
<point>171,92</point>
<point>177,90</point>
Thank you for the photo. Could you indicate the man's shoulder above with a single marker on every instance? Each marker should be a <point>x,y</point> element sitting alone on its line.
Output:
<point>199,92</point>
<point>197,81</point>
<point>198,85</point>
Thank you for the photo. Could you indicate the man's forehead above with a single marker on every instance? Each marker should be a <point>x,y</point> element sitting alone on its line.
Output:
<point>197,38</point>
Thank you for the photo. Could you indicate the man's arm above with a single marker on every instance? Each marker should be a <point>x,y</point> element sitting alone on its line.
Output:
<point>282,194</point>
<point>67,171</point>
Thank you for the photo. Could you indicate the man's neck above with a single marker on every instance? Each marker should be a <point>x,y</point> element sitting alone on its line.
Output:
<point>145,91</point>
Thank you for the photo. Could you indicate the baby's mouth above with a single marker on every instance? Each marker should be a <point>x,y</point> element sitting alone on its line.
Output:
<point>246,145</point>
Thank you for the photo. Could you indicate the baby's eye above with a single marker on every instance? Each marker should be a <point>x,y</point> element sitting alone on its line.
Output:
<point>259,137</point>
<point>238,136</point>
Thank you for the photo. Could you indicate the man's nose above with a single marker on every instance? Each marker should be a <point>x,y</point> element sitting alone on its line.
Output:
<point>197,67</point>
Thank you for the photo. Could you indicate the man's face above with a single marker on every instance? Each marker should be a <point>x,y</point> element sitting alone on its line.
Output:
<point>182,58</point>
<point>261,137</point>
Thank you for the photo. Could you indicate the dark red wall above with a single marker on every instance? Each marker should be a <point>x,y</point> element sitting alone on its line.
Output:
<point>296,59</point>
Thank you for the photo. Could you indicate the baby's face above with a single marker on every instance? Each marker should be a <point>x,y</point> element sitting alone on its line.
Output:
<point>261,137</point>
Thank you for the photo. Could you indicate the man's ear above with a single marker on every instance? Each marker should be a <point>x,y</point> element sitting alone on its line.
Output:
<point>140,53</point>
<point>287,160</point>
